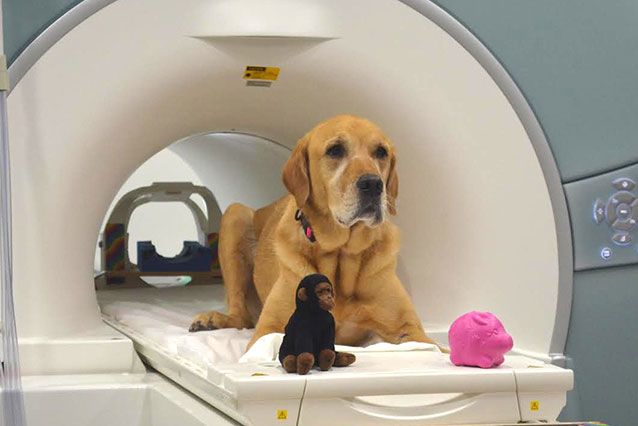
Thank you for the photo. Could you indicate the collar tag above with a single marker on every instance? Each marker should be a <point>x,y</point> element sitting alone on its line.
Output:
<point>305,225</point>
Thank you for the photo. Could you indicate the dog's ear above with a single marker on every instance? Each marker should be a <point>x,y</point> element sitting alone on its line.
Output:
<point>392,186</point>
<point>296,173</point>
<point>302,295</point>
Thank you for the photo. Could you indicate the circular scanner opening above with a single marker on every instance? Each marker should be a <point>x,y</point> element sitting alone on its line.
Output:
<point>162,226</point>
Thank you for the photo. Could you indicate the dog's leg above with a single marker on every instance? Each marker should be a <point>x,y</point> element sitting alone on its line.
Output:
<point>391,315</point>
<point>236,251</point>
<point>409,330</point>
<point>279,306</point>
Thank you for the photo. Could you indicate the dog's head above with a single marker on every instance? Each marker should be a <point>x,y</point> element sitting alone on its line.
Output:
<point>345,166</point>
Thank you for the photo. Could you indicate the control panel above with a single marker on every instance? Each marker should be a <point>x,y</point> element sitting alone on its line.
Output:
<point>604,215</point>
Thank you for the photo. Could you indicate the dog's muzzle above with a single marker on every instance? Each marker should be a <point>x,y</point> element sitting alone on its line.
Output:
<point>370,189</point>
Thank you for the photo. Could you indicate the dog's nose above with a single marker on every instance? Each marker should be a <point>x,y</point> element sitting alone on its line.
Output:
<point>370,185</point>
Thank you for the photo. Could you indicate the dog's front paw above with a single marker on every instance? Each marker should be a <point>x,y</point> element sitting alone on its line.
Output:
<point>207,321</point>
<point>214,320</point>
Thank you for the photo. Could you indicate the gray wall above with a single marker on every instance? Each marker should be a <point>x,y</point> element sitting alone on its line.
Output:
<point>577,63</point>
<point>603,341</point>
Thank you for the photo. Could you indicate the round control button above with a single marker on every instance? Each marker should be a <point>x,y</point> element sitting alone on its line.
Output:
<point>623,225</point>
<point>605,253</point>
<point>599,211</point>
<point>623,211</point>
<point>617,200</point>
<point>621,238</point>
<point>623,197</point>
<point>624,183</point>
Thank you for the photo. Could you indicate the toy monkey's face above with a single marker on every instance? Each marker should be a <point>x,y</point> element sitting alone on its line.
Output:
<point>325,296</point>
<point>324,293</point>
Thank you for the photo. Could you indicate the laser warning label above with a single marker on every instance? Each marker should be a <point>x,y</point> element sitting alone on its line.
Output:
<point>282,414</point>
<point>261,73</point>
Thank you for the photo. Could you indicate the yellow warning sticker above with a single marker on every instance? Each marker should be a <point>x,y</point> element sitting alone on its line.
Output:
<point>534,405</point>
<point>261,73</point>
<point>282,414</point>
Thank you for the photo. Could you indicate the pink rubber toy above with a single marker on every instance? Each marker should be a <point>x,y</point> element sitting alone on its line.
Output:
<point>478,339</point>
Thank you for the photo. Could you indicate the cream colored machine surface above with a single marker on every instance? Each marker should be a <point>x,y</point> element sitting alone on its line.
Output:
<point>482,215</point>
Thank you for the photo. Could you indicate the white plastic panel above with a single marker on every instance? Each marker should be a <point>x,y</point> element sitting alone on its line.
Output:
<point>97,351</point>
<point>237,168</point>
<point>490,408</point>
<point>114,400</point>
<point>478,228</point>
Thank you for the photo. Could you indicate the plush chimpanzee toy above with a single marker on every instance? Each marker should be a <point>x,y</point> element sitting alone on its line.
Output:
<point>310,333</point>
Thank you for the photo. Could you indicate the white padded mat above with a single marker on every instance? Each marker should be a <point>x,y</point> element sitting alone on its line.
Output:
<point>164,315</point>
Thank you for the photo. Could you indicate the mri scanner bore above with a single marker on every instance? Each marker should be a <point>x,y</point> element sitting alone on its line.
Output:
<point>145,209</point>
<point>468,145</point>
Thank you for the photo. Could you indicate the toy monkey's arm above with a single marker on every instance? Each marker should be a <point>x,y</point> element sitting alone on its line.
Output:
<point>288,343</point>
<point>302,335</point>
<point>327,340</point>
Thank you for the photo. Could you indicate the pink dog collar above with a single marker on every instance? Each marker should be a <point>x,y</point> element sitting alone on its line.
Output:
<point>305,225</point>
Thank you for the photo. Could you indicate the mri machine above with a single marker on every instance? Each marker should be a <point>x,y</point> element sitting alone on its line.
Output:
<point>481,208</point>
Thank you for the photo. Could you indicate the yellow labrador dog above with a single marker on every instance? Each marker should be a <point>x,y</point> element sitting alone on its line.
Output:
<point>342,179</point>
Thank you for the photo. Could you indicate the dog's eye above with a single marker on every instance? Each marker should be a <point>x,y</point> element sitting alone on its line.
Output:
<point>336,151</point>
<point>380,152</point>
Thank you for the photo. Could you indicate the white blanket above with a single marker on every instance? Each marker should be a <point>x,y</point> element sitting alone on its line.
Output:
<point>163,317</point>
<point>266,348</point>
